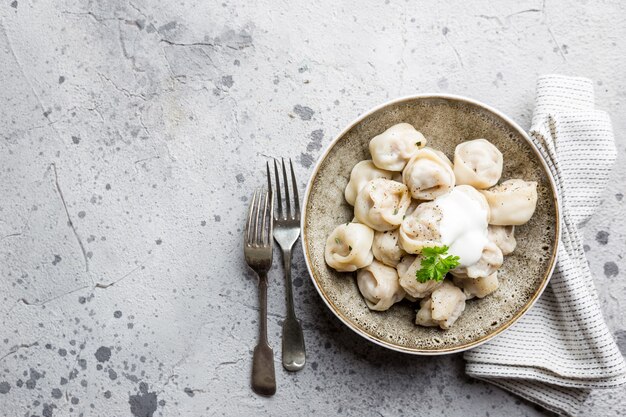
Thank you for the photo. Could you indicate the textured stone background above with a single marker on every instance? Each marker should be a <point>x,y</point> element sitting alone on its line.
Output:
<point>133,133</point>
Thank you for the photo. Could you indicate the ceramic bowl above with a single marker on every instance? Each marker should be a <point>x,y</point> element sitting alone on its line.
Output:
<point>445,121</point>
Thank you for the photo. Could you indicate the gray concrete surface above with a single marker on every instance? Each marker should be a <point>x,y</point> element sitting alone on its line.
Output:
<point>133,133</point>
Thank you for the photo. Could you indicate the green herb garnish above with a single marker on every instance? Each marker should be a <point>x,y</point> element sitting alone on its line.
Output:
<point>434,265</point>
<point>349,248</point>
<point>337,241</point>
<point>418,143</point>
<point>395,211</point>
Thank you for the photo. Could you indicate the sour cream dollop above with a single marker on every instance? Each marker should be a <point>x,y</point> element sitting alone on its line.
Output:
<point>463,226</point>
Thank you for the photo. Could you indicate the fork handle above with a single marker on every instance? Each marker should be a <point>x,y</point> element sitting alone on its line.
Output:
<point>288,286</point>
<point>263,375</point>
<point>294,352</point>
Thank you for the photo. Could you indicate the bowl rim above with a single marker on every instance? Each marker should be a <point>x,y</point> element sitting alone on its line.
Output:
<point>516,316</point>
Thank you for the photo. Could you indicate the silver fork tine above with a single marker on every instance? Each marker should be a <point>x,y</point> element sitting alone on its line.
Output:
<point>271,193</point>
<point>295,191</point>
<point>279,196</point>
<point>264,224</point>
<point>287,198</point>
<point>269,219</point>
<point>269,178</point>
<point>249,220</point>
<point>255,238</point>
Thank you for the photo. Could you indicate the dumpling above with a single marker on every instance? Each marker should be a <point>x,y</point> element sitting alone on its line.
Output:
<point>503,237</point>
<point>443,157</point>
<point>381,204</point>
<point>349,247</point>
<point>424,315</point>
<point>477,163</point>
<point>448,302</point>
<point>361,174</point>
<point>475,195</point>
<point>379,286</point>
<point>479,287</point>
<point>512,203</point>
<point>386,247</point>
<point>428,174</point>
<point>421,228</point>
<point>412,207</point>
<point>442,308</point>
<point>407,269</point>
<point>393,148</point>
<point>489,262</point>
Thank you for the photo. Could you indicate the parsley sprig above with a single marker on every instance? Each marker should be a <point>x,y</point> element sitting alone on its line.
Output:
<point>434,265</point>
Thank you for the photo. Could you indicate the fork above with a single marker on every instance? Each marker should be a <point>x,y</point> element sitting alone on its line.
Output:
<point>286,233</point>
<point>258,253</point>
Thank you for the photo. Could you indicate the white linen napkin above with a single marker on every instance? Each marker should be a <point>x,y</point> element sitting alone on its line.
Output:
<point>562,349</point>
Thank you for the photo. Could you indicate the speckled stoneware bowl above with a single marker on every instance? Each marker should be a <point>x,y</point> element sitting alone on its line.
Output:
<point>445,121</point>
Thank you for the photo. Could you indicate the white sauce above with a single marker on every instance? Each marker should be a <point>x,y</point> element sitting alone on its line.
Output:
<point>463,226</point>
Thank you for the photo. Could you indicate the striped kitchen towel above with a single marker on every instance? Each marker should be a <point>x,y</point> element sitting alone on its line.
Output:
<point>562,349</point>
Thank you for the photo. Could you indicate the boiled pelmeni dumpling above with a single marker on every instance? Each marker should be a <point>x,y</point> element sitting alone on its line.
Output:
<point>386,247</point>
<point>478,287</point>
<point>512,203</point>
<point>381,204</point>
<point>475,195</point>
<point>477,163</point>
<point>424,315</point>
<point>421,228</point>
<point>392,149</point>
<point>361,174</point>
<point>489,262</point>
<point>407,269</point>
<point>428,174</point>
<point>379,286</point>
<point>503,237</point>
<point>412,207</point>
<point>443,157</point>
<point>442,308</point>
<point>349,247</point>
<point>448,302</point>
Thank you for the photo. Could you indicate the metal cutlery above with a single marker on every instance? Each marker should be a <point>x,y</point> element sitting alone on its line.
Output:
<point>258,253</point>
<point>286,233</point>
